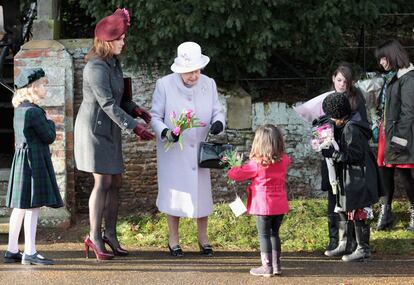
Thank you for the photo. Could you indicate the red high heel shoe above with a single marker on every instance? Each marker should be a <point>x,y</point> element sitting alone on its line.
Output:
<point>119,251</point>
<point>99,254</point>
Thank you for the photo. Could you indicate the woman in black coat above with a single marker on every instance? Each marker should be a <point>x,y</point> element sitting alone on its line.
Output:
<point>357,175</point>
<point>396,134</point>
<point>32,182</point>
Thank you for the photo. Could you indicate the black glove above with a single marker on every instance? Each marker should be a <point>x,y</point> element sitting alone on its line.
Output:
<point>216,128</point>
<point>328,152</point>
<point>169,135</point>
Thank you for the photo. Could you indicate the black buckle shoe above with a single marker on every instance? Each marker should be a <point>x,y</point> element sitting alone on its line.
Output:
<point>10,257</point>
<point>206,249</point>
<point>36,259</point>
<point>176,250</point>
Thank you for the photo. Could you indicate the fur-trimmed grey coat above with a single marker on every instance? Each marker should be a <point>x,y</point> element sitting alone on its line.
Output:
<point>101,117</point>
<point>399,118</point>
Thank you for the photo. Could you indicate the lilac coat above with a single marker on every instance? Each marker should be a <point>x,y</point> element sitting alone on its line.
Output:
<point>184,189</point>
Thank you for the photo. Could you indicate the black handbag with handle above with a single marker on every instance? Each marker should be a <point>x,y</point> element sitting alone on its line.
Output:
<point>210,154</point>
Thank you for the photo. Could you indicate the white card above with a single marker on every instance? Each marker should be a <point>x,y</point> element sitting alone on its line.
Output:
<point>237,206</point>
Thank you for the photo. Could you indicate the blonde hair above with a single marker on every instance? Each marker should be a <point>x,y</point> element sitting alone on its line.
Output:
<point>100,48</point>
<point>268,145</point>
<point>28,93</point>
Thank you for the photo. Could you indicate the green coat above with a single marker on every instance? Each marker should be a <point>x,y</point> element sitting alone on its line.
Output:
<point>32,182</point>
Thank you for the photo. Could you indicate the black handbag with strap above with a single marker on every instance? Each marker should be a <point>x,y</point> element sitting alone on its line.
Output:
<point>210,153</point>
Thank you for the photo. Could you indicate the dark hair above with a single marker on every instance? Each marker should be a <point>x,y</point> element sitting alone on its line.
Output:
<point>394,52</point>
<point>336,105</point>
<point>345,68</point>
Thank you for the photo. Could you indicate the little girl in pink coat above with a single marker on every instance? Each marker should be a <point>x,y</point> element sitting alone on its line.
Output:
<point>267,198</point>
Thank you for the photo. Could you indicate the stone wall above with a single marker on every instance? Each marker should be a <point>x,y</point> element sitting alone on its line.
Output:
<point>77,49</point>
<point>139,190</point>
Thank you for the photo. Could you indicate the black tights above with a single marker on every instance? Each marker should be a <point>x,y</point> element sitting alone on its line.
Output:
<point>387,174</point>
<point>268,228</point>
<point>103,204</point>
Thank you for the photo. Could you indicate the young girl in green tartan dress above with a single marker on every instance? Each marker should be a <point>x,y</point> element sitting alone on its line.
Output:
<point>32,182</point>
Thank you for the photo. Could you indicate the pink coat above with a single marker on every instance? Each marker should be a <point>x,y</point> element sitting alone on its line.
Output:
<point>267,192</point>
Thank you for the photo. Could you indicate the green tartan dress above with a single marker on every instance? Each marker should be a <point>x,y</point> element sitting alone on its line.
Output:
<point>32,182</point>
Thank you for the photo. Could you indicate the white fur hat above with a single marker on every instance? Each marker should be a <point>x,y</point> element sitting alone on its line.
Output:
<point>189,58</point>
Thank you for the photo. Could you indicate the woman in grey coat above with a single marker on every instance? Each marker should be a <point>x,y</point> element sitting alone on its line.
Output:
<point>104,112</point>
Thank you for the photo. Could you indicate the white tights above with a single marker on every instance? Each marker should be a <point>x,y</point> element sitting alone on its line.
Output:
<point>30,217</point>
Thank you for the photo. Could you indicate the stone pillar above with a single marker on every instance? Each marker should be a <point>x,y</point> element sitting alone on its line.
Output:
<point>47,24</point>
<point>58,65</point>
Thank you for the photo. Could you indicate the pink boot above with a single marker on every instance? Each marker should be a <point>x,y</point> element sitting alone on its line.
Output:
<point>266,270</point>
<point>277,267</point>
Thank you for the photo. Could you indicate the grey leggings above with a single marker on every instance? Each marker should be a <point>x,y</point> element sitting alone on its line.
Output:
<point>268,228</point>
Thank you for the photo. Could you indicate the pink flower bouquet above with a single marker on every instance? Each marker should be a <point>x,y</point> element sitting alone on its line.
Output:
<point>322,137</point>
<point>186,120</point>
<point>231,158</point>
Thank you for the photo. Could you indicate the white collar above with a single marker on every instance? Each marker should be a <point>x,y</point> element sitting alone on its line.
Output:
<point>403,71</point>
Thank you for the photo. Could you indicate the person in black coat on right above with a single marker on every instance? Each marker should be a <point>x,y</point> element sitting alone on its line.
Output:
<point>396,132</point>
<point>357,175</point>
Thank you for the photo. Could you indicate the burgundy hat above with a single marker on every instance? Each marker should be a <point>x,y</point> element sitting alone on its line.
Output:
<point>112,27</point>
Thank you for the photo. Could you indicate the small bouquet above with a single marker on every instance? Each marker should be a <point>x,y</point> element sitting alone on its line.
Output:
<point>186,120</point>
<point>231,158</point>
<point>322,137</point>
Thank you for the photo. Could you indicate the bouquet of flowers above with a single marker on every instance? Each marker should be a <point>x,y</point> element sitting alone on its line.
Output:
<point>323,137</point>
<point>186,120</point>
<point>231,158</point>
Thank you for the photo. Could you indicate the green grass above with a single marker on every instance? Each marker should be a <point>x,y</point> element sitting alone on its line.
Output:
<point>303,229</point>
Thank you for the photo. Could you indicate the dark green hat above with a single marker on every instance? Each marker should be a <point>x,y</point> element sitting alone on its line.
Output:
<point>27,76</point>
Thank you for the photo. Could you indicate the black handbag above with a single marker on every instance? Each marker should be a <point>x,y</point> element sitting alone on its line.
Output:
<point>210,154</point>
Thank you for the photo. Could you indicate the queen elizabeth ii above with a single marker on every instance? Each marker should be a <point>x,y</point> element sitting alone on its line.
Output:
<point>184,189</point>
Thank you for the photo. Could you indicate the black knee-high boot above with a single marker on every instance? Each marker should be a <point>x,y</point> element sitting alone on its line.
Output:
<point>385,219</point>
<point>342,242</point>
<point>333,231</point>
<point>362,252</point>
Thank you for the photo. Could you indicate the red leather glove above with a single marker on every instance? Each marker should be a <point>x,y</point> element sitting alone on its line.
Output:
<point>142,113</point>
<point>141,131</point>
